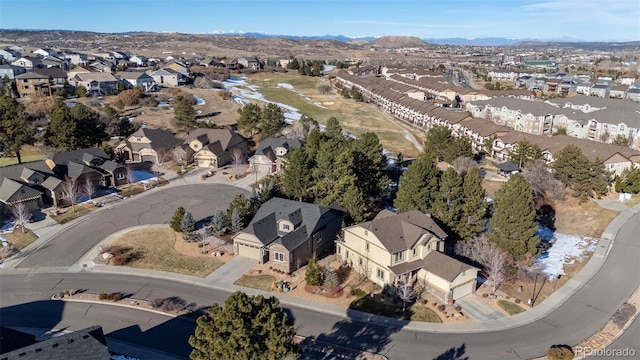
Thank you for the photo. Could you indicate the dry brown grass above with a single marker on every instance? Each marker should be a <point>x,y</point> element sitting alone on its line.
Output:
<point>19,239</point>
<point>491,187</point>
<point>586,219</point>
<point>69,214</point>
<point>157,252</point>
<point>260,282</point>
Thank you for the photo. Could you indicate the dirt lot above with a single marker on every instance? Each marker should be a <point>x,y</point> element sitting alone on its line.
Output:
<point>586,219</point>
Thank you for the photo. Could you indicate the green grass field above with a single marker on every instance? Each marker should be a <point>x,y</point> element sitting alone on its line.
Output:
<point>25,159</point>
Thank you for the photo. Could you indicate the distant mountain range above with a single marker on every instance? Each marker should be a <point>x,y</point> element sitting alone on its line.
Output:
<point>481,41</point>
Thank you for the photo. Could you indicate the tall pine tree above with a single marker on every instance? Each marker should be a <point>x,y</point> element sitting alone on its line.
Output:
<point>185,114</point>
<point>249,119</point>
<point>418,185</point>
<point>296,178</point>
<point>14,127</point>
<point>513,224</point>
<point>448,203</point>
<point>474,206</point>
<point>271,120</point>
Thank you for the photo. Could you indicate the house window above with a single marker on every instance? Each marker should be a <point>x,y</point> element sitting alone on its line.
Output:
<point>318,237</point>
<point>285,227</point>
<point>278,256</point>
<point>415,251</point>
<point>366,233</point>
<point>366,246</point>
<point>120,175</point>
<point>379,273</point>
<point>360,261</point>
<point>346,254</point>
<point>399,256</point>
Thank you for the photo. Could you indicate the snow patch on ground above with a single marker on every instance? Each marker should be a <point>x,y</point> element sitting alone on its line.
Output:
<point>242,91</point>
<point>286,86</point>
<point>319,105</point>
<point>121,357</point>
<point>199,100</point>
<point>5,228</point>
<point>328,67</point>
<point>143,176</point>
<point>565,250</point>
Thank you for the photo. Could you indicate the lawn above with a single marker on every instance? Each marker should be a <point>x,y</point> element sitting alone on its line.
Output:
<point>156,251</point>
<point>510,307</point>
<point>413,312</point>
<point>25,159</point>
<point>260,282</point>
<point>20,240</point>
<point>355,118</point>
<point>70,214</point>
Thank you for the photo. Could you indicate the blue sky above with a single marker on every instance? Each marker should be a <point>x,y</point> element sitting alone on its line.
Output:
<point>579,19</point>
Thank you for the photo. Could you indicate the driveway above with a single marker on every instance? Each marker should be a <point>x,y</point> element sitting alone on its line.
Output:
<point>478,309</point>
<point>232,270</point>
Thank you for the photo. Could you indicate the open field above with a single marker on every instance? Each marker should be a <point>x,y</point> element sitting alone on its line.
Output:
<point>156,251</point>
<point>355,118</point>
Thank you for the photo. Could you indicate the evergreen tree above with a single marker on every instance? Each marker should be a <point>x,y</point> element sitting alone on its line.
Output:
<point>629,180</point>
<point>271,120</point>
<point>586,178</point>
<point>81,91</point>
<point>296,178</point>
<point>247,328</point>
<point>525,152</point>
<point>437,140</point>
<point>333,129</point>
<point>76,128</point>
<point>241,203</point>
<point>249,119</point>
<point>418,185</point>
<point>176,220</point>
<point>370,165</point>
<point>449,200</point>
<point>236,221</point>
<point>185,114</point>
<point>90,130</point>
<point>14,127</point>
<point>621,140</point>
<point>513,224</point>
<point>474,206</point>
<point>331,277</point>
<point>355,94</point>
<point>219,222</point>
<point>457,147</point>
<point>293,64</point>
<point>314,140</point>
<point>308,124</point>
<point>314,275</point>
<point>188,227</point>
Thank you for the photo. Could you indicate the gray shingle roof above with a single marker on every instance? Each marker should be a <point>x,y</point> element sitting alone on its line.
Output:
<point>399,232</point>
<point>12,190</point>
<point>225,138</point>
<point>160,139</point>
<point>310,218</point>
<point>444,266</point>
<point>508,166</point>
<point>267,146</point>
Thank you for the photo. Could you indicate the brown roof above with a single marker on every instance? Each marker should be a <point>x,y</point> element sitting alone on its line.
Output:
<point>225,139</point>
<point>444,266</point>
<point>399,232</point>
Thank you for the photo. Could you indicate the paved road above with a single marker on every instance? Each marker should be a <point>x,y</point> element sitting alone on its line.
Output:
<point>68,247</point>
<point>578,318</point>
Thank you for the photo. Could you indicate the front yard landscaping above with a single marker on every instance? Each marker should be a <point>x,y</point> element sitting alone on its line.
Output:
<point>413,312</point>
<point>69,214</point>
<point>260,282</point>
<point>157,249</point>
<point>19,239</point>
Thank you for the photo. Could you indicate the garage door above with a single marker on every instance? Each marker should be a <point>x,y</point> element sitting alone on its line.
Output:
<point>463,290</point>
<point>248,251</point>
<point>149,158</point>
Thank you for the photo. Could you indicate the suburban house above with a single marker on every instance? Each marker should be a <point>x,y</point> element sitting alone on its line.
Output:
<point>27,62</point>
<point>168,77</point>
<point>57,76</point>
<point>13,192</point>
<point>214,148</point>
<point>406,246</point>
<point>146,144</point>
<point>132,79</point>
<point>9,55</point>
<point>271,154</point>
<point>32,183</point>
<point>11,71</point>
<point>30,83</point>
<point>249,63</point>
<point>287,233</point>
<point>178,67</point>
<point>84,164</point>
<point>96,83</point>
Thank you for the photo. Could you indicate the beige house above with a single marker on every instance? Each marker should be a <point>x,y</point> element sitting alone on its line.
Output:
<point>271,154</point>
<point>214,148</point>
<point>407,246</point>
<point>147,145</point>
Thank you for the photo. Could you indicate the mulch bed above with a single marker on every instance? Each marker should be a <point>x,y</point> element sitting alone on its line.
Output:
<point>325,291</point>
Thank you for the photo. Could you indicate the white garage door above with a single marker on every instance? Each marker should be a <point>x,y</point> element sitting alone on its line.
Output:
<point>463,290</point>
<point>248,251</point>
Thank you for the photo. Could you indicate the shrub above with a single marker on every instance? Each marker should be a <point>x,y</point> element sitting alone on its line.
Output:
<point>485,295</point>
<point>518,301</point>
<point>59,295</point>
<point>331,277</point>
<point>119,260</point>
<point>314,275</point>
<point>441,307</point>
<point>458,308</point>
<point>560,352</point>
<point>102,296</point>
<point>173,303</point>
<point>115,296</point>
<point>357,292</point>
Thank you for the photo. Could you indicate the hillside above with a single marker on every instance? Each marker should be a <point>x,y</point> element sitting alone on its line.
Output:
<point>396,42</point>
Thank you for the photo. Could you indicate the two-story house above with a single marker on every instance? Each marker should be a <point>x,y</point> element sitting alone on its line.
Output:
<point>287,233</point>
<point>150,145</point>
<point>406,246</point>
<point>270,156</point>
<point>214,148</point>
<point>30,83</point>
<point>96,83</point>
<point>132,79</point>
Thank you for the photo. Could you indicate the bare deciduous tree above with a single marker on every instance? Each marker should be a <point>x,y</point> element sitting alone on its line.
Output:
<point>543,184</point>
<point>324,89</point>
<point>494,260</point>
<point>237,158</point>
<point>70,191</point>
<point>131,175</point>
<point>89,186</point>
<point>406,293</point>
<point>21,214</point>
<point>463,164</point>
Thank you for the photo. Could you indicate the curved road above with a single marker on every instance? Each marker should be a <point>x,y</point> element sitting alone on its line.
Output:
<point>576,319</point>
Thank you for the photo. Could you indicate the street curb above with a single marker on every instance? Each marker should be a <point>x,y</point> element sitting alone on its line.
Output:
<point>117,304</point>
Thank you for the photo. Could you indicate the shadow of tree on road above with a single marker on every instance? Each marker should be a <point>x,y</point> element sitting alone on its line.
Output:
<point>454,353</point>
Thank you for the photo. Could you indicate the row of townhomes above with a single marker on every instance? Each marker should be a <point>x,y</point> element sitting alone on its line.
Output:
<point>46,70</point>
<point>565,84</point>
<point>40,184</point>
<point>422,103</point>
<point>389,249</point>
